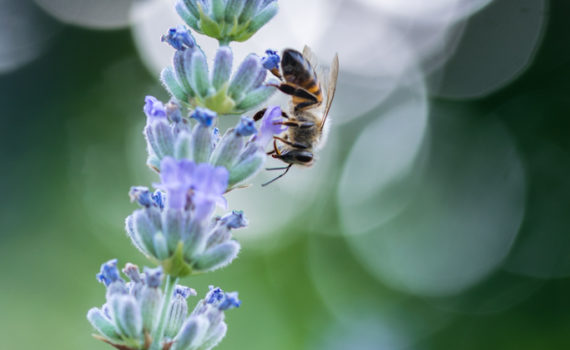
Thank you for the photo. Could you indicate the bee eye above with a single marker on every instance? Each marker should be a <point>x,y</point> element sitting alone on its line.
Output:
<point>304,158</point>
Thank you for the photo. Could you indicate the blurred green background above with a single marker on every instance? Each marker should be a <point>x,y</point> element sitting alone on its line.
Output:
<point>447,231</point>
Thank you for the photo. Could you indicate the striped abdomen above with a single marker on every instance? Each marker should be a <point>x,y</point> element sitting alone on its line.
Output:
<point>298,72</point>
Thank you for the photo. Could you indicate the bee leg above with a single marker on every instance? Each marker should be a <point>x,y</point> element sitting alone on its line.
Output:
<point>297,92</point>
<point>257,116</point>
<point>278,168</point>
<point>295,124</point>
<point>275,72</point>
<point>276,149</point>
<point>278,177</point>
<point>292,144</point>
<point>304,105</point>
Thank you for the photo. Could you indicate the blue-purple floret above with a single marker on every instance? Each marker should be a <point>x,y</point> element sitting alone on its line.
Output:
<point>109,273</point>
<point>246,127</point>
<point>153,108</point>
<point>271,124</point>
<point>234,220</point>
<point>270,60</point>
<point>179,38</point>
<point>214,295</point>
<point>222,300</point>
<point>181,178</point>
<point>230,301</point>
<point>153,277</point>
<point>204,116</point>
<point>184,291</point>
<point>145,198</point>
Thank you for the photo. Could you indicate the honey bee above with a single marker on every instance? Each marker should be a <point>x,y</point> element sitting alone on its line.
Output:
<point>303,79</point>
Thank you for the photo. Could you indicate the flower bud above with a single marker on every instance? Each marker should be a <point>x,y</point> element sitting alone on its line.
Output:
<point>182,69</point>
<point>160,246</point>
<point>201,143</point>
<point>217,257</point>
<point>246,168</point>
<point>199,71</point>
<point>183,146</point>
<point>144,230</point>
<point>245,76</point>
<point>103,324</point>
<point>191,334</point>
<point>129,317</point>
<point>227,150</point>
<point>174,224</point>
<point>214,336</point>
<point>222,67</point>
<point>255,97</point>
<point>177,310</point>
<point>174,87</point>
<point>151,298</point>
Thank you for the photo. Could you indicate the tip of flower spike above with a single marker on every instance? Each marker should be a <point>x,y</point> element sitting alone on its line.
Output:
<point>271,60</point>
<point>246,127</point>
<point>109,273</point>
<point>234,220</point>
<point>184,291</point>
<point>223,301</point>
<point>153,108</point>
<point>153,277</point>
<point>132,272</point>
<point>204,116</point>
<point>179,38</point>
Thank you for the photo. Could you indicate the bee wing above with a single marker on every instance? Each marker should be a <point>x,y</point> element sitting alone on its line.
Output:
<point>312,58</point>
<point>330,88</point>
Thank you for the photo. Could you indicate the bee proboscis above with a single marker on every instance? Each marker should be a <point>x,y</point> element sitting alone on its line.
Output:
<point>309,84</point>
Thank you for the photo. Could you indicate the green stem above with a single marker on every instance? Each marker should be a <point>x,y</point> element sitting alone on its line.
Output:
<point>159,330</point>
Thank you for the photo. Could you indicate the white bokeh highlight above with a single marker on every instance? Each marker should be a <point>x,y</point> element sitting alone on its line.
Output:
<point>25,32</point>
<point>374,185</point>
<point>461,221</point>
<point>94,14</point>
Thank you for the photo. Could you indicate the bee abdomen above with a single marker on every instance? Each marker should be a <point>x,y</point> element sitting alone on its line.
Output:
<point>298,71</point>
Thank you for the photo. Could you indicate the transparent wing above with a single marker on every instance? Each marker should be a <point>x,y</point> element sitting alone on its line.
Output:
<point>330,88</point>
<point>312,58</point>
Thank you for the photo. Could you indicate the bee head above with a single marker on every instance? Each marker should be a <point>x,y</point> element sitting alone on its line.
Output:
<point>296,156</point>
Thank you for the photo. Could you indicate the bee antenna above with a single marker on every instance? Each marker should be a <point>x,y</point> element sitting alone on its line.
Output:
<point>278,177</point>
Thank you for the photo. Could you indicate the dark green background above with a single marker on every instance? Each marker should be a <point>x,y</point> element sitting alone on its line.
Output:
<point>67,123</point>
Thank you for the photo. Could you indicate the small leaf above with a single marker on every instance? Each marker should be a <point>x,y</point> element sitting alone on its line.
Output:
<point>175,265</point>
<point>208,25</point>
